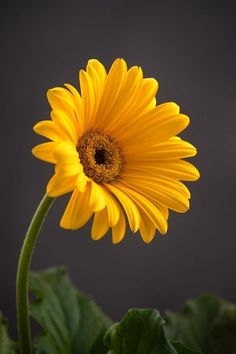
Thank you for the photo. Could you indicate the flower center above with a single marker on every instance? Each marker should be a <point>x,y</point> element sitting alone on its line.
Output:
<point>100,156</point>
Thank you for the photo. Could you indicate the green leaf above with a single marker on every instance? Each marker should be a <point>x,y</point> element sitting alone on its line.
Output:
<point>206,324</point>
<point>181,349</point>
<point>72,323</point>
<point>7,346</point>
<point>222,334</point>
<point>140,332</point>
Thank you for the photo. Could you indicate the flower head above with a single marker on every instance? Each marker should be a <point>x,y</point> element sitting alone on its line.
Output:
<point>117,152</point>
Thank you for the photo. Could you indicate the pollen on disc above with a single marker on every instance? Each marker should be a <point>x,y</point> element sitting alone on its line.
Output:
<point>100,156</point>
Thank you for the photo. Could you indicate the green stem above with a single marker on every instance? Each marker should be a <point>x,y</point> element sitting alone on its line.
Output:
<point>22,281</point>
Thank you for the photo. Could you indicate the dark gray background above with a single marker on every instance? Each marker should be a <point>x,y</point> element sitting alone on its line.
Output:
<point>189,46</point>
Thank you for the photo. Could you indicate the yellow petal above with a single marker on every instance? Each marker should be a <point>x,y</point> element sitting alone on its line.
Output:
<point>147,207</point>
<point>66,153</point>
<point>146,97</point>
<point>64,124</point>
<point>146,228</point>
<point>172,149</point>
<point>49,129</point>
<point>163,209</point>
<point>152,130</point>
<point>158,182</point>
<point>100,224</point>
<point>143,102</point>
<point>166,109</point>
<point>118,231</point>
<point>178,169</point>
<point>149,195</point>
<point>78,106</point>
<point>77,212</point>
<point>97,75</point>
<point>97,200</point>
<point>117,75</point>
<point>88,99</point>
<point>67,169</point>
<point>100,69</point>
<point>68,166</point>
<point>61,101</point>
<point>125,102</point>
<point>113,209</point>
<point>129,206</point>
<point>173,200</point>
<point>59,185</point>
<point>81,182</point>
<point>45,151</point>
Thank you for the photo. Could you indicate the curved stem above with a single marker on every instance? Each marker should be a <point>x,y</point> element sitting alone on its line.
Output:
<point>22,281</point>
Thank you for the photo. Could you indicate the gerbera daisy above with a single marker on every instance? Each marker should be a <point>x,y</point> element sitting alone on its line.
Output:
<point>117,152</point>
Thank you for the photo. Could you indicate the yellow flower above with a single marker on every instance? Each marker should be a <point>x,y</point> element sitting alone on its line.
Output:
<point>117,152</point>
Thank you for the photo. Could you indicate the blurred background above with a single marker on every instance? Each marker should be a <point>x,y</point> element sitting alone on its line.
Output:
<point>189,47</point>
